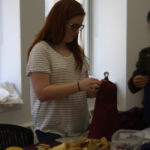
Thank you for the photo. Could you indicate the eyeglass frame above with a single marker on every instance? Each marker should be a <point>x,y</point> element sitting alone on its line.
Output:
<point>75,27</point>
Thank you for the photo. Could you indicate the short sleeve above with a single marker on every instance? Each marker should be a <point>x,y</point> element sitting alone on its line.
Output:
<point>39,60</point>
<point>86,63</point>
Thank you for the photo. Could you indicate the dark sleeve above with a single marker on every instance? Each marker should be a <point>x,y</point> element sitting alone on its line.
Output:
<point>131,85</point>
<point>139,71</point>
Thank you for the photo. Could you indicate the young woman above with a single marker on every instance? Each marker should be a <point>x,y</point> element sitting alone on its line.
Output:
<point>58,72</point>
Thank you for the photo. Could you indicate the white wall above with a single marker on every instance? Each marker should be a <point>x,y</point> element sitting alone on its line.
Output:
<point>119,32</point>
<point>21,20</point>
<point>10,54</point>
<point>109,43</point>
<point>10,43</point>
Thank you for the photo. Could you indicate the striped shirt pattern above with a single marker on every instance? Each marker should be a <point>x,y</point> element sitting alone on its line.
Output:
<point>67,116</point>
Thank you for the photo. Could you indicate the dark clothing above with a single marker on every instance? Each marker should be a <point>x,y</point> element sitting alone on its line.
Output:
<point>142,68</point>
<point>145,146</point>
<point>132,119</point>
<point>105,117</point>
<point>131,85</point>
<point>46,136</point>
<point>147,103</point>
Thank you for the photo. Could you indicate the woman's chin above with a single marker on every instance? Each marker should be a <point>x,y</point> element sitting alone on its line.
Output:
<point>69,41</point>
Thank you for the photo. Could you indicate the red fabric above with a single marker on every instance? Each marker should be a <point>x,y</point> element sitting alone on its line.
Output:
<point>105,118</point>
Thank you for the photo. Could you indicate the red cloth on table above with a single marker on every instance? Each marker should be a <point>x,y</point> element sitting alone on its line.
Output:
<point>105,118</point>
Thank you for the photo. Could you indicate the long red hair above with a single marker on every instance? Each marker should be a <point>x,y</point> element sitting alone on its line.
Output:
<point>53,30</point>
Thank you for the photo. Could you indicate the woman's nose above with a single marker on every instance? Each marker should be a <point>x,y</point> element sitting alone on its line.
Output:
<point>76,31</point>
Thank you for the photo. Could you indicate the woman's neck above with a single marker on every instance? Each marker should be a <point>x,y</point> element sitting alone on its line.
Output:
<point>62,49</point>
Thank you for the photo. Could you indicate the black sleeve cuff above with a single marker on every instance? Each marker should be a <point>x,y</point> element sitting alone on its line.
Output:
<point>132,87</point>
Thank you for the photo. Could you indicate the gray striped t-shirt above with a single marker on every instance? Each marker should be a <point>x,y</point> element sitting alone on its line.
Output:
<point>67,116</point>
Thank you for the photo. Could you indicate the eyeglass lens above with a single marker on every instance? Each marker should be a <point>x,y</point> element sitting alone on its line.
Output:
<point>77,27</point>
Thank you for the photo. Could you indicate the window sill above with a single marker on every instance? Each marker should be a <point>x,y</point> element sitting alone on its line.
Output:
<point>9,94</point>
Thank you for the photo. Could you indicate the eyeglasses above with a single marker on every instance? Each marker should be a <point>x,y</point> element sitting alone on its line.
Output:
<point>76,26</point>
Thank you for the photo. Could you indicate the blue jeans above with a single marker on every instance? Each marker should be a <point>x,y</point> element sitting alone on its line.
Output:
<point>42,136</point>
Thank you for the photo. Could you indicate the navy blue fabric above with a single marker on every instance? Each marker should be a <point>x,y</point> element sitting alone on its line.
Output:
<point>46,136</point>
<point>147,103</point>
<point>145,146</point>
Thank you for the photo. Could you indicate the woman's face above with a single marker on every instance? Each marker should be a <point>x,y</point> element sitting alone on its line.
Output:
<point>73,27</point>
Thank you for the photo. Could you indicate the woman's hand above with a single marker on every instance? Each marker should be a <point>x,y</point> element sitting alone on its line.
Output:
<point>140,81</point>
<point>89,84</point>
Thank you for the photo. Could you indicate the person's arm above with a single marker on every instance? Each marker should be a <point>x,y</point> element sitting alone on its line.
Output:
<point>44,90</point>
<point>140,81</point>
<point>132,87</point>
<point>139,78</point>
<point>137,82</point>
